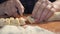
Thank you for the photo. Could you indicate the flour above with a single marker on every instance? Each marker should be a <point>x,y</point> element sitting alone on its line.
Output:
<point>9,29</point>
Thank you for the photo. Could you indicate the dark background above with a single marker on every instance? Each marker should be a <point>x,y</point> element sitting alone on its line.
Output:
<point>28,5</point>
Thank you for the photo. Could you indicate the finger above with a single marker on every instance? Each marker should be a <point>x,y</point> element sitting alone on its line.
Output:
<point>36,7</point>
<point>21,11</point>
<point>8,13</point>
<point>20,7</point>
<point>12,13</point>
<point>15,14</point>
<point>41,8</point>
<point>4,16</point>
<point>49,15</point>
<point>50,12</point>
<point>46,12</point>
<point>40,11</point>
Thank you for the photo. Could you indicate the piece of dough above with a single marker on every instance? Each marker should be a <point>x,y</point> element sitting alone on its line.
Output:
<point>7,21</point>
<point>30,19</point>
<point>14,21</point>
<point>22,21</point>
<point>56,16</point>
<point>2,22</point>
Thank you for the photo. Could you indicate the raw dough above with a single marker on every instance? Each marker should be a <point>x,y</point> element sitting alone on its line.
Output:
<point>22,21</point>
<point>56,16</point>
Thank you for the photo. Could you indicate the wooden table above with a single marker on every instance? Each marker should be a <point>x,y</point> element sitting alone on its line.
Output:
<point>52,26</point>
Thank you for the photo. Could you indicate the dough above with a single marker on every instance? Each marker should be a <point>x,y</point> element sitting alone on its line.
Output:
<point>56,16</point>
<point>30,19</point>
<point>22,21</point>
<point>7,21</point>
<point>2,21</point>
<point>14,21</point>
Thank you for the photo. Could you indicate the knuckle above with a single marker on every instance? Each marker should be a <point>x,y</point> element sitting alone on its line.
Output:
<point>22,7</point>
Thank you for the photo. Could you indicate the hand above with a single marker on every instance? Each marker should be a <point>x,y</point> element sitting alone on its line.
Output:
<point>20,8</point>
<point>43,12</point>
<point>11,8</point>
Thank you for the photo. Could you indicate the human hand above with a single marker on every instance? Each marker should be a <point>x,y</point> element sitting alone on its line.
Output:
<point>43,12</point>
<point>11,8</point>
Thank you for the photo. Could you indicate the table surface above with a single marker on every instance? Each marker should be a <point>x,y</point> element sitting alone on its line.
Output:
<point>52,26</point>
